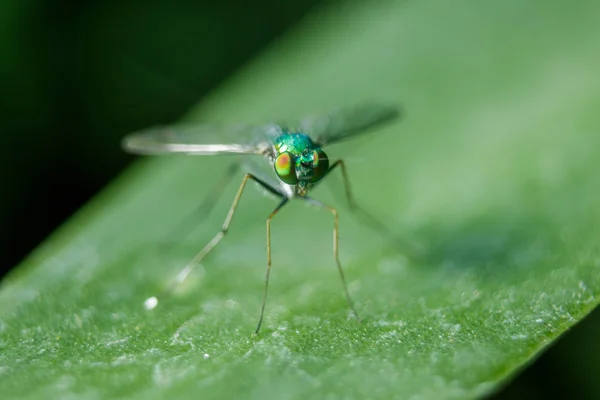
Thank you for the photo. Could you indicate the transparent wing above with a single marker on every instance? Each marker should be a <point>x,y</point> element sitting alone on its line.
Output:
<point>201,139</point>
<point>263,170</point>
<point>343,123</point>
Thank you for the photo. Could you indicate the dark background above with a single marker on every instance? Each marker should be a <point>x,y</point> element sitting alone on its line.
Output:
<point>77,75</point>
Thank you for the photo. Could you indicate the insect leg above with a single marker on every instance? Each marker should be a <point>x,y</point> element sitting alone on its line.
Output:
<point>410,249</point>
<point>152,301</point>
<point>335,247</point>
<point>204,208</point>
<point>264,299</point>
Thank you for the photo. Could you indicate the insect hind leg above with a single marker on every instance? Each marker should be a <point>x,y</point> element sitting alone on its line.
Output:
<point>335,248</point>
<point>406,247</point>
<point>186,226</point>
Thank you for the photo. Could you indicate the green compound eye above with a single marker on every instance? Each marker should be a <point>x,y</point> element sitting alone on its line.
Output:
<point>320,165</point>
<point>285,168</point>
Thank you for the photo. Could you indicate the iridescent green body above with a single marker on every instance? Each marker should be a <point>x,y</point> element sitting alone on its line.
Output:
<point>295,143</point>
<point>299,161</point>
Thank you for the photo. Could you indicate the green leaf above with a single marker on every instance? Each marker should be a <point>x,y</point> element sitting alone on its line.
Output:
<point>493,172</point>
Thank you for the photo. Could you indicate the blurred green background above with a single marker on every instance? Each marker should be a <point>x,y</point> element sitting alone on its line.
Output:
<point>78,75</point>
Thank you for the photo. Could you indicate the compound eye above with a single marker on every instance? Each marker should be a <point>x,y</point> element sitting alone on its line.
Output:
<point>320,165</point>
<point>285,168</point>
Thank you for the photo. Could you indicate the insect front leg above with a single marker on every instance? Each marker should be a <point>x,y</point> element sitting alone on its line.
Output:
<point>264,298</point>
<point>151,302</point>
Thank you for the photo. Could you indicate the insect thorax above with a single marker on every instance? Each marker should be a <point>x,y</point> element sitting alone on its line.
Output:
<point>296,144</point>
